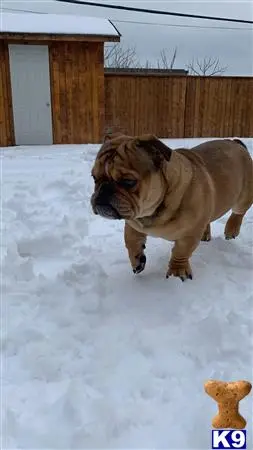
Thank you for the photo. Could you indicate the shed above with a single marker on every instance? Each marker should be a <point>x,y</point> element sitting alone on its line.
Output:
<point>52,78</point>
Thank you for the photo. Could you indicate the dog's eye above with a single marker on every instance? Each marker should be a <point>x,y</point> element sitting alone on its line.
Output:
<point>127,183</point>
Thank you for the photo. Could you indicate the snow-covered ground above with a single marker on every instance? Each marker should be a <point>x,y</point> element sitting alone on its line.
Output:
<point>93,356</point>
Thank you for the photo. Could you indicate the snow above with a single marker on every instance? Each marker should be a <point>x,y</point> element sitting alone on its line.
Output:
<point>93,356</point>
<point>56,24</point>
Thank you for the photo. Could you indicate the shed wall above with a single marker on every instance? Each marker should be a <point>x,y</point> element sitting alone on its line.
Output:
<point>77,92</point>
<point>6,115</point>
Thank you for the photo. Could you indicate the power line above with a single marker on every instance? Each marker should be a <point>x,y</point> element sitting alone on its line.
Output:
<point>153,11</point>
<point>174,25</point>
<point>22,10</point>
<point>181,25</point>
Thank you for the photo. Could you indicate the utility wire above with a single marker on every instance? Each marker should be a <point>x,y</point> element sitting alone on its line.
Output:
<point>181,25</point>
<point>147,23</point>
<point>153,11</point>
<point>22,10</point>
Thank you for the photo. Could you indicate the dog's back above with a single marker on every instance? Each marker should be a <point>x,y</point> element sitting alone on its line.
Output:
<point>220,148</point>
<point>240,142</point>
<point>223,155</point>
<point>230,166</point>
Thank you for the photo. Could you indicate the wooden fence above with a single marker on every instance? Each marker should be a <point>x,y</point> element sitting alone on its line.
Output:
<point>180,106</point>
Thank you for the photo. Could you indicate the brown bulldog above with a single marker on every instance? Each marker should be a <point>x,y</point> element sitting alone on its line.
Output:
<point>171,194</point>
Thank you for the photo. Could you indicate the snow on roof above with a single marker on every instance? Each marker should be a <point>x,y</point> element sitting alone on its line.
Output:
<point>56,24</point>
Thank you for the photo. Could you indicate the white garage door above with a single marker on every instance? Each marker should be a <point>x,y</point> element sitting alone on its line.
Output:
<point>30,83</point>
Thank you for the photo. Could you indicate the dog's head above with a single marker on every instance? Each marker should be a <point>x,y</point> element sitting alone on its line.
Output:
<point>128,176</point>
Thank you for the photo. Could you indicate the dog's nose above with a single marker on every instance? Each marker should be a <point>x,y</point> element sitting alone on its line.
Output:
<point>106,190</point>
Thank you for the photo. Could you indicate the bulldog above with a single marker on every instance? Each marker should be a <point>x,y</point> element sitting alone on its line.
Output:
<point>171,194</point>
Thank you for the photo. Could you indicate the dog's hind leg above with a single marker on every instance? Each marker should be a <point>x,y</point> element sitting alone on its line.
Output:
<point>233,226</point>
<point>243,204</point>
<point>207,234</point>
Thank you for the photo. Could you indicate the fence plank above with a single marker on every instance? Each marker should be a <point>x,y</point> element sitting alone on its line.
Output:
<point>180,106</point>
<point>141,104</point>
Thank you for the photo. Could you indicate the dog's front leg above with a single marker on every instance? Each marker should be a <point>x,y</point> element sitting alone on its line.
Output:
<point>135,244</point>
<point>179,265</point>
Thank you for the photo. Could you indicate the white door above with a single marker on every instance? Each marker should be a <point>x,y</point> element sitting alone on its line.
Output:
<point>30,84</point>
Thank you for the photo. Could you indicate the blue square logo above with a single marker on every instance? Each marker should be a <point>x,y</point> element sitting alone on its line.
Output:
<point>228,439</point>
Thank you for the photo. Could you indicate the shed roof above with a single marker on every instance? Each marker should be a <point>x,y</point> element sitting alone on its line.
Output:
<point>56,24</point>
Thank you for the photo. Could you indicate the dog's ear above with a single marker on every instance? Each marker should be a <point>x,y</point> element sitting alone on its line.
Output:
<point>118,135</point>
<point>107,137</point>
<point>155,149</point>
<point>113,132</point>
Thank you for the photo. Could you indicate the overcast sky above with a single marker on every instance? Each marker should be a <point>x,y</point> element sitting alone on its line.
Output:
<point>234,47</point>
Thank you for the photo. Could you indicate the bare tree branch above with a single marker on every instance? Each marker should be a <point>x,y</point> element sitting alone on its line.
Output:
<point>108,52</point>
<point>147,64</point>
<point>117,56</point>
<point>164,62</point>
<point>120,57</point>
<point>173,59</point>
<point>206,67</point>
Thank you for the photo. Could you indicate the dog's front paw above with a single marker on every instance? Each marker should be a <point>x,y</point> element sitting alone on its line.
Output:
<point>180,269</point>
<point>140,263</point>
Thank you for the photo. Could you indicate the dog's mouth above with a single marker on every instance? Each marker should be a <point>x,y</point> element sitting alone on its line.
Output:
<point>113,208</point>
<point>107,211</point>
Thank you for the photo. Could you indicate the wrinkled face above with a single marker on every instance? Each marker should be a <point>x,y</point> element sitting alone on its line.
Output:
<point>128,181</point>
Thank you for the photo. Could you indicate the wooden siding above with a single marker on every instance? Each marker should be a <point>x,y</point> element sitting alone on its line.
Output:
<point>6,115</point>
<point>77,92</point>
<point>176,107</point>
<point>145,104</point>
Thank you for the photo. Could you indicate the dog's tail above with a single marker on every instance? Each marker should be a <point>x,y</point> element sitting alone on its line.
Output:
<point>240,142</point>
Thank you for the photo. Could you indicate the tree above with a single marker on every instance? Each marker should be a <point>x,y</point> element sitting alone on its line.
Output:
<point>116,56</point>
<point>164,62</point>
<point>120,57</point>
<point>206,67</point>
